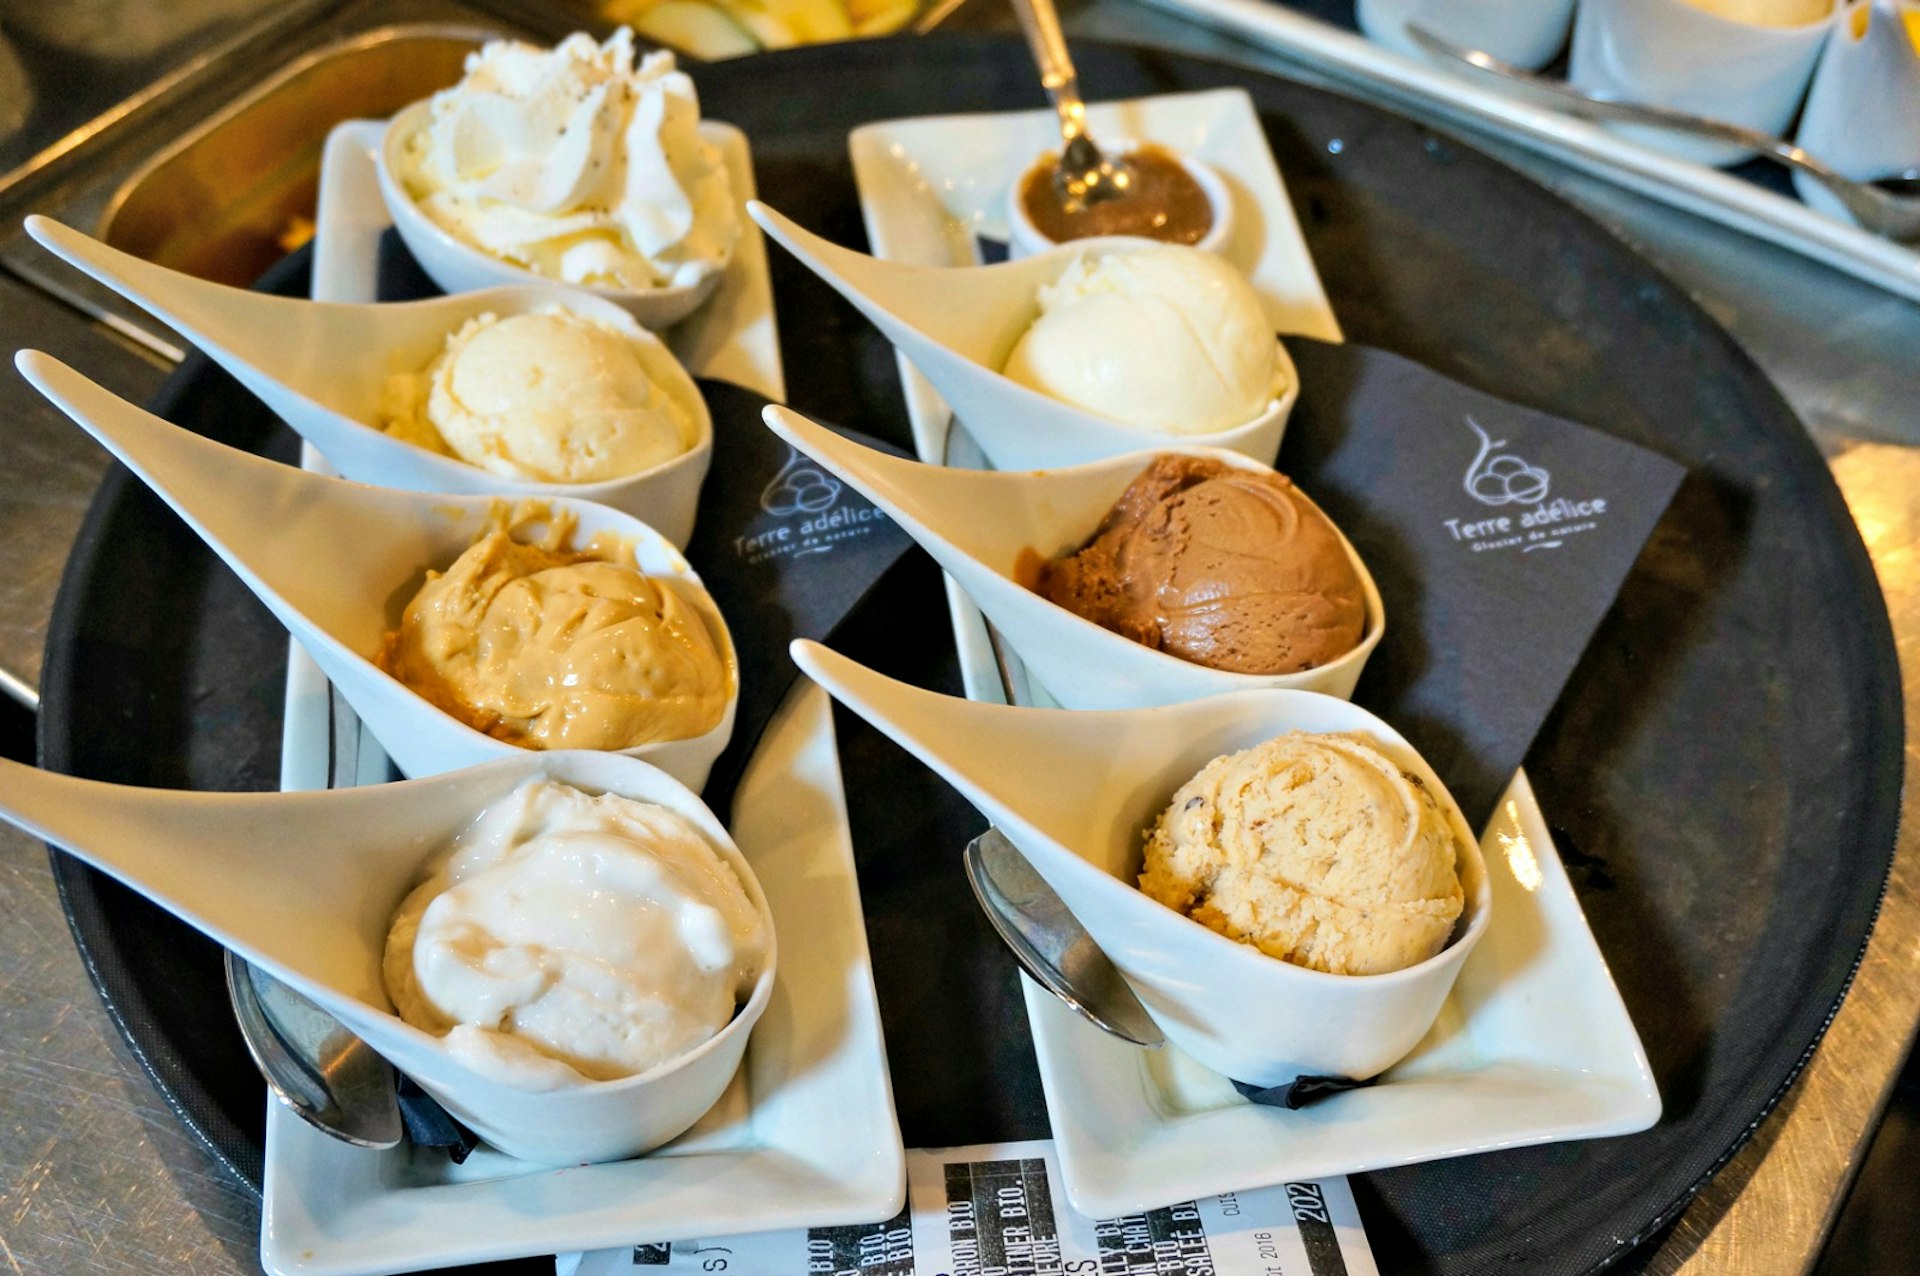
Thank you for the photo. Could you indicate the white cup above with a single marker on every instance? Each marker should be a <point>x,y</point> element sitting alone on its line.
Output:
<point>1673,54</point>
<point>1525,33</point>
<point>1863,112</point>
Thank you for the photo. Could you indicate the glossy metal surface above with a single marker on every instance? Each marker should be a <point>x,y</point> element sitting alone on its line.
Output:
<point>1050,943</point>
<point>85,63</point>
<point>330,1078</point>
<point>182,209</point>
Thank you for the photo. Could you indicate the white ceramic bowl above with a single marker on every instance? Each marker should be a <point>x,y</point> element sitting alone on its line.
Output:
<point>1081,664</point>
<point>337,413</point>
<point>1670,53</point>
<point>1523,33</point>
<point>336,562</point>
<point>323,368</point>
<point>1026,239</point>
<point>305,885</point>
<point>457,266</point>
<point>958,324</point>
<point>1073,790</point>
<point>604,1120</point>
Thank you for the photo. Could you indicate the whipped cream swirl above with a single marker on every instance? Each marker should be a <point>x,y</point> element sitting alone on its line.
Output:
<point>577,165</point>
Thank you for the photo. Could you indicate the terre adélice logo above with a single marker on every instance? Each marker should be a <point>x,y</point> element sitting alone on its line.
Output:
<point>801,487</point>
<point>1521,516</point>
<point>1501,478</point>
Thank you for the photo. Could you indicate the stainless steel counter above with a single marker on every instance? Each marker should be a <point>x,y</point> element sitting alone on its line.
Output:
<point>95,1174</point>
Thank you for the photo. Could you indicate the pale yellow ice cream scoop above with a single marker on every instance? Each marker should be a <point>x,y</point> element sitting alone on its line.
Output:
<point>559,649</point>
<point>551,396</point>
<point>1315,849</point>
<point>1168,338</point>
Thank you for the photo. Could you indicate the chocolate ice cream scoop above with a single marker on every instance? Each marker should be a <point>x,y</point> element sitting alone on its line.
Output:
<point>1233,569</point>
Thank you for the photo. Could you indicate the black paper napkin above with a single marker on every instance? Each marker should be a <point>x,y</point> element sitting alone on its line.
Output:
<point>1499,537</point>
<point>786,550</point>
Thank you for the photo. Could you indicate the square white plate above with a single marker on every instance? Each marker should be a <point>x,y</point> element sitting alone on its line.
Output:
<point>806,1135</point>
<point>1534,1045</point>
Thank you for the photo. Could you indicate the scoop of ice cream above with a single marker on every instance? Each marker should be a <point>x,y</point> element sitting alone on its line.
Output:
<point>558,649</point>
<point>1165,338</point>
<point>575,164</point>
<point>551,396</point>
<point>566,938</point>
<point>1768,13</point>
<point>1315,849</point>
<point>1229,568</point>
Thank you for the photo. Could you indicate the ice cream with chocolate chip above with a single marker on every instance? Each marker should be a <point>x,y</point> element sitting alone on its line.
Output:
<point>1315,849</point>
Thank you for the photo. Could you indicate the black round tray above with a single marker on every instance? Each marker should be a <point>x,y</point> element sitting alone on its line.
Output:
<point>1722,773</point>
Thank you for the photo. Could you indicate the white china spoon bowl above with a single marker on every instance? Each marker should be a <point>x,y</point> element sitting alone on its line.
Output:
<point>323,368</point>
<point>336,562</point>
<point>958,324</point>
<point>458,266</point>
<point>304,886</point>
<point>990,528</point>
<point>1073,791</point>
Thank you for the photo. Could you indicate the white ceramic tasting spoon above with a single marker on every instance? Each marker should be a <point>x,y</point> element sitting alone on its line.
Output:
<point>958,324</point>
<point>990,528</point>
<point>304,885</point>
<point>337,561</point>
<point>323,368</point>
<point>1073,790</point>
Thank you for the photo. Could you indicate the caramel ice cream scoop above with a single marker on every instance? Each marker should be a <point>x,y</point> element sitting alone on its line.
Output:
<point>1315,849</point>
<point>1229,568</point>
<point>550,648</point>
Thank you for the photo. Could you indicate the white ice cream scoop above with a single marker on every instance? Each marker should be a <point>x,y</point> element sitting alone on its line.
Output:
<point>335,561</point>
<point>304,885</point>
<point>1073,790</point>
<point>323,368</point>
<point>981,524</point>
<point>959,324</point>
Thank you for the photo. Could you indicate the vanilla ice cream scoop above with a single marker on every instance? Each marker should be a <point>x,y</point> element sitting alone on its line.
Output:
<point>566,938</point>
<point>1315,849</point>
<point>1166,338</point>
<point>551,396</point>
<point>577,165</point>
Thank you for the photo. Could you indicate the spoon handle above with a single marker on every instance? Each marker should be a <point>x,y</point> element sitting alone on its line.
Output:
<point>1040,21</point>
<point>1594,107</point>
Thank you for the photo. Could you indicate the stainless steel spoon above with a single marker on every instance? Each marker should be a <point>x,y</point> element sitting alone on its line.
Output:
<point>330,1078</point>
<point>1889,206</point>
<point>333,1080</point>
<point>1035,924</point>
<point>1050,943</point>
<point>1084,175</point>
